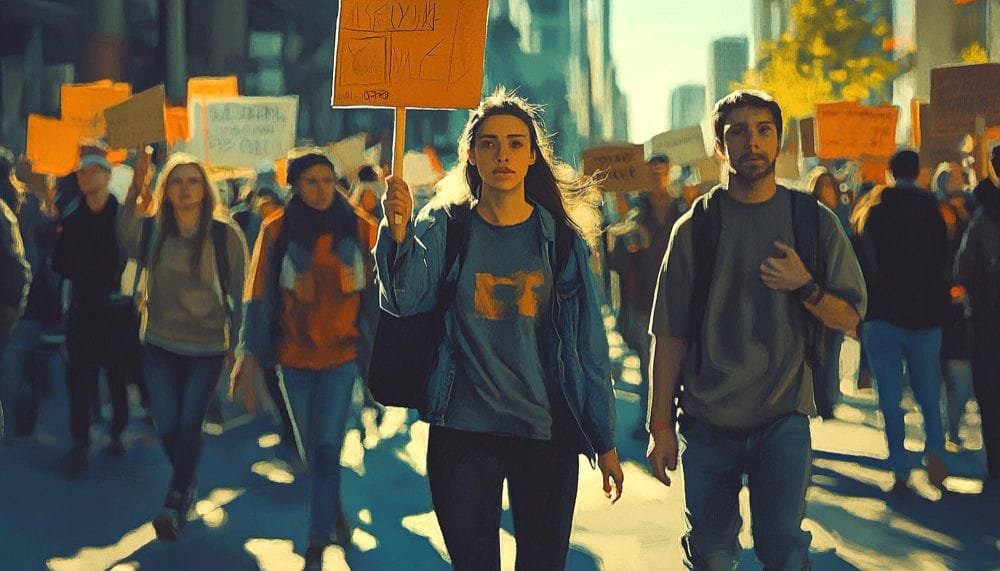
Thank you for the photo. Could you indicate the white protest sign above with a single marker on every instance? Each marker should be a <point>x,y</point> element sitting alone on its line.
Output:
<point>373,156</point>
<point>683,146</point>
<point>419,169</point>
<point>241,131</point>
<point>348,155</point>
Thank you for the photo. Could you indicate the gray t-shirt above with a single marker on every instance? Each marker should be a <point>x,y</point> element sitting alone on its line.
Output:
<point>504,296</point>
<point>753,366</point>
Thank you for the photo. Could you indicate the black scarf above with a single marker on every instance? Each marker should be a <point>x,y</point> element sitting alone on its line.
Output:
<point>305,224</point>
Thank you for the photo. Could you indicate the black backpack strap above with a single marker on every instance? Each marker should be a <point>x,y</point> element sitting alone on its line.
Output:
<point>805,226</point>
<point>706,226</point>
<point>219,245</point>
<point>456,246</point>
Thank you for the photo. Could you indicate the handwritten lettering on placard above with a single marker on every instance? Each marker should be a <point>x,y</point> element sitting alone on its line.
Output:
<point>622,168</point>
<point>847,129</point>
<point>961,93</point>
<point>410,53</point>
<point>242,131</point>
<point>683,146</point>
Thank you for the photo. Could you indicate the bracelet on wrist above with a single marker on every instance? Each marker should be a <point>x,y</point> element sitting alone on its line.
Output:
<point>807,291</point>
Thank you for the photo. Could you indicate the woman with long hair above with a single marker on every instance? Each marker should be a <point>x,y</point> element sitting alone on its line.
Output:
<point>307,274</point>
<point>523,383</point>
<point>194,259</point>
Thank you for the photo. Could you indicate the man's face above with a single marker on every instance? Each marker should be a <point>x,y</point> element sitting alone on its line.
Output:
<point>92,179</point>
<point>750,143</point>
<point>659,172</point>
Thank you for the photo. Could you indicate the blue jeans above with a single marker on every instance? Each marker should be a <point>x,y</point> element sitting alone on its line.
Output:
<point>958,393</point>
<point>180,387</point>
<point>887,347</point>
<point>776,459</point>
<point>826,382</point>
<point>319,403</point>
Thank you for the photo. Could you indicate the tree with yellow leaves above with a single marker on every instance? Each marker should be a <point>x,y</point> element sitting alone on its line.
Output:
<point>834,49</point>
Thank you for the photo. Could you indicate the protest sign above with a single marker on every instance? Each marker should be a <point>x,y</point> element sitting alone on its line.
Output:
<point>349,154</point>
<point>373,156</point>
<point>83,104</point>
<point>683,146</point>
<point>936,147</point>
<point>138,120</point>
<point>212,87</point>
<point>709,170</point>
<point>241,131</point>
<point>53,145</point>
<point>847,130</point>
<point>425,53</point>
<point>623,168</point>
<point>873,168</point>
<point>807,136</point>
<point>420,169</point>
<point>281,171</point>
<point>176,124</point>
<point>960,94</point>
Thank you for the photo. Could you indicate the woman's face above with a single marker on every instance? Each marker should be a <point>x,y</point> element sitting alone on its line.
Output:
<point>316,186</point>
<point>502,153</point>
<point>186,187</point>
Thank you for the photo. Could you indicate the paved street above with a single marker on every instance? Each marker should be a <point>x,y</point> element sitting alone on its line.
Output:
<point>252,511</point>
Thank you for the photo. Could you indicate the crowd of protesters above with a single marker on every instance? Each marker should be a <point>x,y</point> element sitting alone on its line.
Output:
<point>175,286</point>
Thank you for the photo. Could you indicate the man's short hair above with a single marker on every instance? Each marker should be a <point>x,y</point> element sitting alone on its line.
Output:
<point>659,159</point>
<point>905,164</point>
<point>744,98</point>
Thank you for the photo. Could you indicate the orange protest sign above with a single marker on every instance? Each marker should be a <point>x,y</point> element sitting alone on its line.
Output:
<point>873,168</point>
<point>847,130</point>
<point>53,145</point>
<point>281,171</point>
<point>175,120</point>
<point>427,53</point>
<point>210,87</point>
<point>83,104</point>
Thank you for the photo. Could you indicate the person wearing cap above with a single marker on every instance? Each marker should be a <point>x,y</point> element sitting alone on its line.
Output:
<point>636,254</point>
<point>89,255</point>
<point>301,304</point>
<point>194,260</point>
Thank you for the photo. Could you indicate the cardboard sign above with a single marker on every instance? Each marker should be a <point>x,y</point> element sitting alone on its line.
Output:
<point>139,120</point>
<point>175,121</point>
<point>961,93</point>
<point>807,136</point>
<point>936,148</point>
<point>683,146</point>
<point>419,170</point>
<point>373,156</point>
<point>53,145</point>
<point>709,170</point>
<point>212,87</point>
<point>847,130</point>
<point>348,155</point>
<point>426,53</point>
<point>83,104</point>
<point>623,168</point>
<point>242,131</point>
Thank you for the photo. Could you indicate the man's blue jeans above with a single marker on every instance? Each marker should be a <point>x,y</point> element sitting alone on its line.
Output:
<point>776,459</point>
<point>180,387</point>
<point>888,347</point>
<point>319,403</point>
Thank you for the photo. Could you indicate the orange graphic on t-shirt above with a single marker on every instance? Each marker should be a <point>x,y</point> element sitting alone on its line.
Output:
<point>490,306</point>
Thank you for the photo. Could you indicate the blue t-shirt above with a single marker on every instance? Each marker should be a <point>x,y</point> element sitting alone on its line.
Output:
<point>503,298</point>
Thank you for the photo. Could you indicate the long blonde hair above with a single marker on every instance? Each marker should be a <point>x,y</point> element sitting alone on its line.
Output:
<point>571,199</point>
<point>166,221</point>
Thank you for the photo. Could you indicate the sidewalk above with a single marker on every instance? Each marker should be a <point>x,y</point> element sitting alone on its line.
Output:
<point>253,512</point>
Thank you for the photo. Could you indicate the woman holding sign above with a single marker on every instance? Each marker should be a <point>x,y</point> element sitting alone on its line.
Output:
<point>194,259</point>
<point>523,382</point>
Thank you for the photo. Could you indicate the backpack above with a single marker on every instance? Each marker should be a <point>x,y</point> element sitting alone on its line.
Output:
<point>405,349</point>
<point>706,220</point>
<point>218,233</point>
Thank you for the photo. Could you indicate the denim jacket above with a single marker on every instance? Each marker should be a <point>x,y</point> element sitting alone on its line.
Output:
<point>408,275</point>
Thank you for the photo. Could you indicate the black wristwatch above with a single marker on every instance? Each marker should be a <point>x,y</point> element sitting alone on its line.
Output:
<point>807,291</point>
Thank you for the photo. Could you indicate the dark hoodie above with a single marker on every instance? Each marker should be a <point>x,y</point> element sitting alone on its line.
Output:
<point>978,264</point>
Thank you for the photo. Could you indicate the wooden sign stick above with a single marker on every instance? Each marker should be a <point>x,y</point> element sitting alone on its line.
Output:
<point>398,148</point>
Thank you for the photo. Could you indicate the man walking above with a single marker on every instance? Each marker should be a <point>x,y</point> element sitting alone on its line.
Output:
<point>904,253</point>
<point>737,327</point>
<point>88,253</point>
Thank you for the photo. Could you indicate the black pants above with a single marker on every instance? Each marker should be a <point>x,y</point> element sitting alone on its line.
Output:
<point>466,471</point>
<point>95,343</point>
<point>986,386</point>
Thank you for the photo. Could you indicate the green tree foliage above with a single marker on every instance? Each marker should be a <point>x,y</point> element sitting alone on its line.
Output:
<point>834,49</point>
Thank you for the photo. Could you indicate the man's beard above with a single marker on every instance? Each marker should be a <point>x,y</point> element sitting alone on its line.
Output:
<point>753,175</point>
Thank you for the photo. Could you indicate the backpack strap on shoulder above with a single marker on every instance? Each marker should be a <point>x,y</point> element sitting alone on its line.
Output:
<point>706,225</point>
